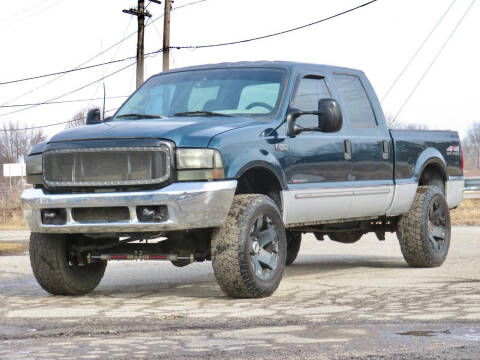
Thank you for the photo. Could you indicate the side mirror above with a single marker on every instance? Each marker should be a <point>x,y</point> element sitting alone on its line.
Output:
<point>94,116</point>
<point>330,118</point>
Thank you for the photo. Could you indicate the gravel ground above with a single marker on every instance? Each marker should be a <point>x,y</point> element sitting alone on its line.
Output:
<point>336,301</point>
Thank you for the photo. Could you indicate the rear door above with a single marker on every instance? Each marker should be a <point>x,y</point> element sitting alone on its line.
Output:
<point>370,175</point>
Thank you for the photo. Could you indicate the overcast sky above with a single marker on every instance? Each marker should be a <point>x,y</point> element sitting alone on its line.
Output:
<point>43,36</point>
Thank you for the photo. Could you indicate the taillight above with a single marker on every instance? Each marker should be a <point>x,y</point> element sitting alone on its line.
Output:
<point>461,149</point>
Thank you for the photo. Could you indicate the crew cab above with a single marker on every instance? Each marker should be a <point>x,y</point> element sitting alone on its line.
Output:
<point>233,163</point>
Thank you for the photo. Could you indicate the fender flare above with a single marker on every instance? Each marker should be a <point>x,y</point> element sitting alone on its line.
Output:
<point>265,165</point>
<point>428,157</point>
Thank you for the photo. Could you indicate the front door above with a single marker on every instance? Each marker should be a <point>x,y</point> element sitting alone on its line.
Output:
<point>318,168</point>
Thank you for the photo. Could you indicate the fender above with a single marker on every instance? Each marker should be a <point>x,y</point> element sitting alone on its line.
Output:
<point>427,157</point>
<point>242,164</point>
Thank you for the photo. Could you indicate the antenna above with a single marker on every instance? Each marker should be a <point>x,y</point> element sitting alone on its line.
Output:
<point>104,96</point>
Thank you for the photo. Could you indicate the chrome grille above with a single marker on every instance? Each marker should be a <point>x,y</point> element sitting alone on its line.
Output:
<point>107,166</point>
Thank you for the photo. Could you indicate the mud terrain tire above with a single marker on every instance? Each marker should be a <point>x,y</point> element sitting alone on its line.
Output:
<point>57,274</point>
<point>424,233</point>
<point>249,250</point>
<point>294,239</point>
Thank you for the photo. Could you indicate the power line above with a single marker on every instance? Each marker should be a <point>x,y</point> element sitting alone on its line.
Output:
<point>70,92</point>
<point>81,67</point>
<point>29,15</point>
<point>277,33</point>
<point>182,47</point>
<point>417,51</point>
<point>206,46</point>
<point>434,60</point>
<point>64,101</point>
<point>49,125</point>
<point>67,71</point>
<point>11,16</point>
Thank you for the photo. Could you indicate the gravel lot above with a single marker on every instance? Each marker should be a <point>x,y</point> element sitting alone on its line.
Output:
<point>336,301</point>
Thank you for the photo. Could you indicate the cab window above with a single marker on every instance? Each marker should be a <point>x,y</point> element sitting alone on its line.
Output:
<point>310,90</point>
<point>355,98</point>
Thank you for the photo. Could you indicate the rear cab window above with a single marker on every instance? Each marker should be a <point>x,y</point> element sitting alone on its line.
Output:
<point>357,104</point>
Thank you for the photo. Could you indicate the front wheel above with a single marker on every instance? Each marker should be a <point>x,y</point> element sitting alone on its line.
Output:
<point>424,233</point>
<point>249,250</point>
<point>57,271</point>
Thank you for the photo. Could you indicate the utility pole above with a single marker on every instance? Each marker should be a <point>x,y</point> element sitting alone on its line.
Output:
<point>166,35</point>
<point>140,13</point>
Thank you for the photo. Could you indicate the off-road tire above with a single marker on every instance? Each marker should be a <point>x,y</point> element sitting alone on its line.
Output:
<point>50,265</point>
<point>413,230</point>
<point>231,245</point>
<point>294,239</point>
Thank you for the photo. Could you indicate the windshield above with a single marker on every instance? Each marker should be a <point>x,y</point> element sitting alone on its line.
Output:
<point>234,91</point>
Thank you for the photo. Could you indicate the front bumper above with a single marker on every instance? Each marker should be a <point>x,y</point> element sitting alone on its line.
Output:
<point>190,205</point>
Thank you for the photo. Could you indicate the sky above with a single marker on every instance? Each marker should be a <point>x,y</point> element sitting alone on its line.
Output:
<point>44,36</point>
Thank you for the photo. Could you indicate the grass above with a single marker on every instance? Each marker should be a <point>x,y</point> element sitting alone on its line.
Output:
<point>7,248</point>
<point>16,222</point>
<point>468,213</point>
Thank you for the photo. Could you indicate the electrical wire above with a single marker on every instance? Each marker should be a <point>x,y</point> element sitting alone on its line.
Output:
<point>68,71</point>
<point>25,17</point>
<point>434,60</point>
<point>64,101</point>
<point>417,51</point>
<point>277,33</point>
<point>69,92</point>
<point>49,125</point>
<point>81,67</point>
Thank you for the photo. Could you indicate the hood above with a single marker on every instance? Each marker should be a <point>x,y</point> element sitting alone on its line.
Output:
<point>183,131</point>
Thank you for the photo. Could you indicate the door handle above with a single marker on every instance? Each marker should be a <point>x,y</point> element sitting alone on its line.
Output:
<point>348,149</point>
<point>385,150</point>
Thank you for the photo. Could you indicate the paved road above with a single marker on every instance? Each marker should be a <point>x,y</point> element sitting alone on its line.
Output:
<point>471,195</point>
<point>337,301</point>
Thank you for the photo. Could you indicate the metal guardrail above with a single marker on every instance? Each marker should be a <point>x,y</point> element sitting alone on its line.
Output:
<point>472,184</point>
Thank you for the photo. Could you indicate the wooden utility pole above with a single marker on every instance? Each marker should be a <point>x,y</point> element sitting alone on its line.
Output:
<point>166,35</point>
<point>140,13</point>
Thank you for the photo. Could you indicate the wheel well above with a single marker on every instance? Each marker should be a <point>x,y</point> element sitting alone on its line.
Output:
<point>433,174</point>
<point>260,180</point>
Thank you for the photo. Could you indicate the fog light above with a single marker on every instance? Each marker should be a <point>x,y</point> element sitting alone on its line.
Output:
<point>152,213</point>
<point>54,216</point>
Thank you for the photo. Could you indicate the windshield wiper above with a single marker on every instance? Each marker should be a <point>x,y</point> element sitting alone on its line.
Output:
<point>140,116</point>
<point>200,113</point>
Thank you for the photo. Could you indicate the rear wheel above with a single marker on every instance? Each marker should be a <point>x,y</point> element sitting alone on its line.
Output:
<point>249,251</point>
<point>424,233</point>
<point>294,239</point>
<point>57,271</point>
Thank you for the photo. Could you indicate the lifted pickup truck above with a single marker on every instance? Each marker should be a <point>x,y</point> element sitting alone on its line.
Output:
<point>232,163</point>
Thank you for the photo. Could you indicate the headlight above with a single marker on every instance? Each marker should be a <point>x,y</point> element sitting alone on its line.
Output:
<point>199,164</point>
<point>34,167</point>
<point>34,164</point>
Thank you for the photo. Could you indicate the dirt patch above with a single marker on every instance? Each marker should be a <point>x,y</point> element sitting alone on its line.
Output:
<point>7,248</point>
<point>468,213</point>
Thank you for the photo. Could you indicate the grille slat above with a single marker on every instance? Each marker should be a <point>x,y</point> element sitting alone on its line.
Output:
<point>107,166</point>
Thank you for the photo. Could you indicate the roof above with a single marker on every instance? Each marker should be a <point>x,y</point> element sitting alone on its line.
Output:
<point>290,65</point>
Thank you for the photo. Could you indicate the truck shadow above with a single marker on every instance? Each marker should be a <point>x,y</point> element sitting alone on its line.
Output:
<point>201,283</point>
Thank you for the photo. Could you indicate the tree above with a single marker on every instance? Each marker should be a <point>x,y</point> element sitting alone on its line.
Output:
<point>396,124</point>
<point>471,146</point>
<point>16,144</point>
<point>77,120</point>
